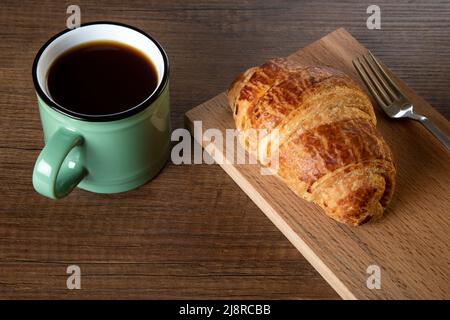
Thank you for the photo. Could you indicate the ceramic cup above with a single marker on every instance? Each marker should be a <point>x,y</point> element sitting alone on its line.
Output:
<point>108,153</point>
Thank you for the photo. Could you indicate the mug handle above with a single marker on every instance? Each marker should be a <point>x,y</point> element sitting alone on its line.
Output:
<point>50,177</point>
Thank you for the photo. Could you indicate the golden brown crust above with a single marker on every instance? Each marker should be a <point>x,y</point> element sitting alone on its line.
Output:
<point>254,83</point>
<point>329,149</point>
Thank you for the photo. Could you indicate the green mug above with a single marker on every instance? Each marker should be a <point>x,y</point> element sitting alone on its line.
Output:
<point>108,153</point>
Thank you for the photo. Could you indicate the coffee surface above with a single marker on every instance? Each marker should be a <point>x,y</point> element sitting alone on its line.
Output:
<point>101,78</point>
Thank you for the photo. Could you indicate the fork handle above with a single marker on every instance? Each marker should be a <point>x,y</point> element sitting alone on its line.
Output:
<point>435,131</point>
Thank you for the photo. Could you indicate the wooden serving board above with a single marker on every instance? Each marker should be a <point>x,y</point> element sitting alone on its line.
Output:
<point>411,244</point>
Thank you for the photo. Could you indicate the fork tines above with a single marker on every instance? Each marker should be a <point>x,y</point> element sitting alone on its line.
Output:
<point>382,87</point>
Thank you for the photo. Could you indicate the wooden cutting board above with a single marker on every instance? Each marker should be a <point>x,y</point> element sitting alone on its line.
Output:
<point>410,245</point>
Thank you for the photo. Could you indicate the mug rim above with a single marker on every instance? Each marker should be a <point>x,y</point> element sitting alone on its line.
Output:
<point>106,117</point>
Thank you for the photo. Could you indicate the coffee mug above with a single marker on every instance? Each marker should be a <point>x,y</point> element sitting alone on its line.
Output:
<point>104,153</point>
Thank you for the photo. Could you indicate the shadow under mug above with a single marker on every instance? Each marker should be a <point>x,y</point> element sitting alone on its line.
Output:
<point>106,153</point>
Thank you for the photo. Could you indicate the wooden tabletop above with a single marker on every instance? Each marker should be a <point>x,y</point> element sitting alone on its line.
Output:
<point>191,232</point>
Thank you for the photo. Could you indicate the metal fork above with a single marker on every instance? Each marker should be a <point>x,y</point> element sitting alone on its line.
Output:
<point>389,96</point>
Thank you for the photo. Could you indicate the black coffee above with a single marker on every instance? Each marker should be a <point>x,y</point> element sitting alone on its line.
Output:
<point>101,77</point>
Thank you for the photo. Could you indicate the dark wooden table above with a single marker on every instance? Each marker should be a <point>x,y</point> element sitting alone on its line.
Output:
<point>191,232</point>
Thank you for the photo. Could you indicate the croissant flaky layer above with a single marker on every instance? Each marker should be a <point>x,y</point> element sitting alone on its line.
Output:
<point>329,149</point>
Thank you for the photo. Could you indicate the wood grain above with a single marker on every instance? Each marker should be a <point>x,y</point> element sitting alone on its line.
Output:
<point>411,244</point>
<point>212,241</point>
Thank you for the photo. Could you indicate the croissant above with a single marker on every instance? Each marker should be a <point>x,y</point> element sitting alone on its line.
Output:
<point>329,150</point>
